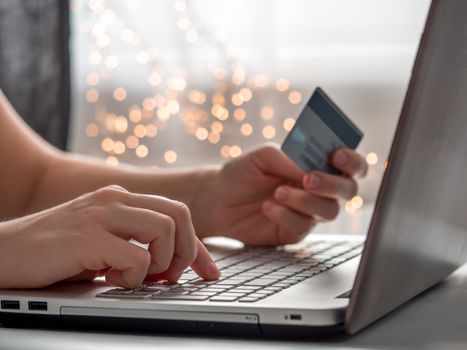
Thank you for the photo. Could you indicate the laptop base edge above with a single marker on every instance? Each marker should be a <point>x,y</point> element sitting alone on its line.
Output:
<point>167,327</point>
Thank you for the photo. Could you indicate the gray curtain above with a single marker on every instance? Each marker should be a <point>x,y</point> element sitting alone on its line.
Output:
<point>34,64</point>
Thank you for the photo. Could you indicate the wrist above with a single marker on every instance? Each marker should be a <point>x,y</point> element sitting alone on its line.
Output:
<point>201,199</point>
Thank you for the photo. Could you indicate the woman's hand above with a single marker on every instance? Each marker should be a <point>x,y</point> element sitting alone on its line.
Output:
<point>89,236</point>
<point>264,198</point>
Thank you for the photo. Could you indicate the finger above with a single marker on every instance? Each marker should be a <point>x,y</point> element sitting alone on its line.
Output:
<point>307,203</point>
<point>349,162</point>
<point>292,225</point>
<point>145,226</point>
<point>128,263</point>
<point>331,186</point>
<point>185,250</point>
<point>204,265</point>
<point>273,161</point>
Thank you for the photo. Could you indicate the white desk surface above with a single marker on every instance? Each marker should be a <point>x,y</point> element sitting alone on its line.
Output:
<point>435,320</point>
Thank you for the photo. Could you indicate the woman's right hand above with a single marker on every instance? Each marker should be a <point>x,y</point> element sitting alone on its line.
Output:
<point>89,236</point>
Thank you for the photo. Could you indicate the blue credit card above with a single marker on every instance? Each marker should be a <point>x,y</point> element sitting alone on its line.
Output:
<point>320,129</point>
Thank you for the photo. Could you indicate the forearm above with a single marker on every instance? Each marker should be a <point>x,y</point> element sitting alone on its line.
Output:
<point>68,176</point>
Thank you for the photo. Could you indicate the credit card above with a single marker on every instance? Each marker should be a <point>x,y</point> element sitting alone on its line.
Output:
<point>320,129</point>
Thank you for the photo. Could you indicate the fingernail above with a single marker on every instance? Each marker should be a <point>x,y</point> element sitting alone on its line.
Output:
<point>314,181</point>
<point>281,194</point>
<point>214,270</point>
<point>341,158</point>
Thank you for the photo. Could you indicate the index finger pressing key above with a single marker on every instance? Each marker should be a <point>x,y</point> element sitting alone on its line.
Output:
<point>186,245</point>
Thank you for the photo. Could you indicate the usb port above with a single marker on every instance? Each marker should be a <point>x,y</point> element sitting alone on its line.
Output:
<point>9,304</point>
<point>37,305</point>
<point>295,317</point>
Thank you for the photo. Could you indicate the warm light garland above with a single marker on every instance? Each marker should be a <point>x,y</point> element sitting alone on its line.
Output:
<point>203,113</point>
<point>221,116</point>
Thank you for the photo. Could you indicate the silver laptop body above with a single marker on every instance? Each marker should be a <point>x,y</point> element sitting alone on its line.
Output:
<point>416,238</point>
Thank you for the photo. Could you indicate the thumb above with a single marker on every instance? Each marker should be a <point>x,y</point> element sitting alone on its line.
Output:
<point>273,161</point>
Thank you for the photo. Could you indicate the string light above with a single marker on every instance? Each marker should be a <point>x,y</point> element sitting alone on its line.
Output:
<point>107,144</point>
<point>237,100</point>
<point>142,57</point>
<point>224,151</point>
<point>175,96</point>
<point>239,114</point>
<point>245,94</point>
<point>183,23</point>
<point>261,81</point>
<point>295,97</point>
<point>349,208</point>
<point>95,58</point>
<point>135,114</point>
<point>118,147</point>
<point>111,62</point>
<point>151,130</point>
<point>92,130</point>
<point>191,35</point>
<point>267,112</point>
<point>111,160</point>
<point>214,137</point>
<point>155,79</point>
<point>217,127</point>
<point>170,157</point>
<point>180,5</point>
<point>132,142</point>
<point>92,79</point>
<point>121,124</point>
<point>246,129</point>
<point>288,124</point>
<point>92,95</point>
<point>282,85</point>
<point>201,134</point>
<point>372,158</point>
<point>141,151</point>
<point>269,132</point>
<point>119,94</point>
<point>357,202</point>
<point>140,131</point>
<point>235,151</point>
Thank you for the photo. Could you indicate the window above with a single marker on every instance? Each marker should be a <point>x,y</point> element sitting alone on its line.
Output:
<point>180,83</point>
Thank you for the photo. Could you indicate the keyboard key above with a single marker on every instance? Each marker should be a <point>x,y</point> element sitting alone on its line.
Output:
<point>120,291</point>
<point>210,289</point>
<point>264,292</point>
<point>261,282</point>
<point>232,294</point>
<point>220,298</point>
<point>248,299</point>
<point>217,288</point>
<point>209,294</point>
<point>123,296</point>
<point>258,296</point>
<point>240,290</point>
<point>142,293</point>
<point>152,289</point>
<point>175,292</point>
<point>180,297</point>
<point>229,282</point>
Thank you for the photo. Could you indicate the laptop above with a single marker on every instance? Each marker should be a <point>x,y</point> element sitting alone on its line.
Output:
<point>417,235</point>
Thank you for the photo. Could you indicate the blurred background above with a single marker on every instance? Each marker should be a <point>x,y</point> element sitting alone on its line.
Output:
<point>179,83</point>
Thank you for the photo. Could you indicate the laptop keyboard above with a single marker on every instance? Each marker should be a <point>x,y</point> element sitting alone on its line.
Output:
<point>250,274</point>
